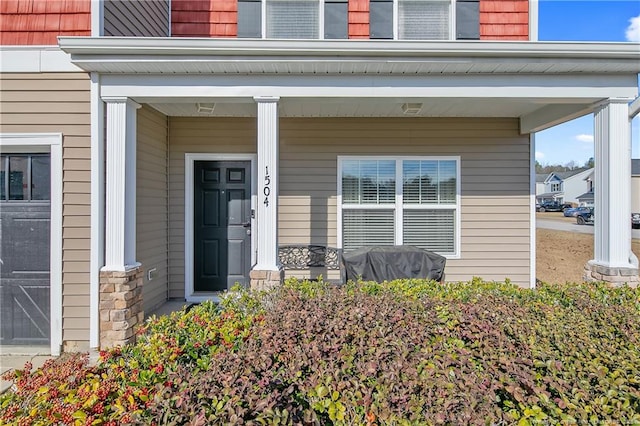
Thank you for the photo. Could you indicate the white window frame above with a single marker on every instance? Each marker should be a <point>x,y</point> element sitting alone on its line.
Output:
<point>398,207</point>
<point>557,186</point>
<point>263,22</point>
<point>452,20</point>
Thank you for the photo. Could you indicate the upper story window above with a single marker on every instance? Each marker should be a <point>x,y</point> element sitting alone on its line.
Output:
<point>293,19</point>
<point>556,187</point>
<point>424,19</point>
<point>388,19</point>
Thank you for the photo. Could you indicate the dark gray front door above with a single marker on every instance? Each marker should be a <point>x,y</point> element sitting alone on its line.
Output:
<point>222,217</point>
<point>25,212</point>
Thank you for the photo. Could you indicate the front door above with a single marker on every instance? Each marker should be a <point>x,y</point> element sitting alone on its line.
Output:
<point>222,224</point>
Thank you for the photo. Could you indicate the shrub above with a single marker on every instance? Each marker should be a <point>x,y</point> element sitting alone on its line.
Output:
<point>414,352</point>
<point>403,352</point>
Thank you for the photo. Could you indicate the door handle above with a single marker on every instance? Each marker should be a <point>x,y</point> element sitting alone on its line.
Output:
<point>247,225</point>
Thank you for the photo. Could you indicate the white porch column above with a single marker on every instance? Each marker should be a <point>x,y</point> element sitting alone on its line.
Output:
<point>121,277</point>
<point>612,196</point>
<point>267,271</point>
<point>120,227</point>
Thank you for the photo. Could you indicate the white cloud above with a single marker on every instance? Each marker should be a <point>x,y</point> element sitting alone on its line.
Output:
<point>539,155</point>
<point>583,137</point>
<point>633,30</point>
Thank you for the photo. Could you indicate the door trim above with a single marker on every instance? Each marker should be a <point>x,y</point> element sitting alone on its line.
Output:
<point>51,143</point>
<point>189,160</point>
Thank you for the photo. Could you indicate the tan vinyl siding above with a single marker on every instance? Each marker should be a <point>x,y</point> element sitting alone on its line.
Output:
<point>495,219</point>
<point>151,206</point>
<point>197,135</point>
<point>149,18</point>
<point>60,103</point>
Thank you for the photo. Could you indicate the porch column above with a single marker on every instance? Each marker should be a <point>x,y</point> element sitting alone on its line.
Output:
<point>267,272</point>
<point>613,262</point>
<point>121,277</point>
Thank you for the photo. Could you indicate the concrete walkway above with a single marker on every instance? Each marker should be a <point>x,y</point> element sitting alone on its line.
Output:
<point>14,357</point>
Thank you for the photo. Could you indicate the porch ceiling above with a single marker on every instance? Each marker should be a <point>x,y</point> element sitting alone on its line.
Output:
<point>368,107</point>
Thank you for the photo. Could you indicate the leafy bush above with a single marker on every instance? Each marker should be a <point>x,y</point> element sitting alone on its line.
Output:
<point>403,352</point>
<point>414,352</point>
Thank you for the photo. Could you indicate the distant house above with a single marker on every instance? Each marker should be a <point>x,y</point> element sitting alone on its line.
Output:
<point>563,187</point>
<point>635,185</point>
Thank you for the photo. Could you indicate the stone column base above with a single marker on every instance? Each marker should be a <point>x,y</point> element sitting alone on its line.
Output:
<point>265,280</point>
<point>612,275</point>
<point>121,310</point>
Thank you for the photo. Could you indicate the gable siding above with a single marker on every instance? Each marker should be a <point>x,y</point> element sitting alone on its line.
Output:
<point>204,18</point>
<point>149,18</point>
<point>40,22</point>
<point>504,19</point>
<point>197,135</point>
<point>52,102</point>
<point>151,205</point>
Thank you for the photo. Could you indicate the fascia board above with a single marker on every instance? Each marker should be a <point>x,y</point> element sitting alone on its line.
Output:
<point>389,48</point>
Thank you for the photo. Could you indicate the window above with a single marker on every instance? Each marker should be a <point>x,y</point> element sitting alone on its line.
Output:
<point>25,177</point>
<point>425,19</point>
<point>556,187</point>
<point>395,201</point>
<point>293,19</point>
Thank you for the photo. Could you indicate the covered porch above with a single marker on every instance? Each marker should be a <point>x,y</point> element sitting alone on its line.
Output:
<point>284,122</point>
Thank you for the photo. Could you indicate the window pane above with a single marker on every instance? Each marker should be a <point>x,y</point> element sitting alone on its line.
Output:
<point>369,182</point>
<point>18,178</point>
<point>447,178</point>
<point>423,19</point>
<point>292,19</point>
<point>367,227</point>
<point>3,176</point>
<point>432,230</point>
<point>40,178</point>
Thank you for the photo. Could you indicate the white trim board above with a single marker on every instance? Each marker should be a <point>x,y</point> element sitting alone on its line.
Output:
<point>36,59</point>
<point>48,142</point>
<point>189,159</point>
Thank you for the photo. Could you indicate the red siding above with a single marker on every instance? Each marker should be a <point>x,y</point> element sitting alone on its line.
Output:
<point>204,18</point>
<point>358,19</point>
<point>40,22</point>
<point>504,19</point>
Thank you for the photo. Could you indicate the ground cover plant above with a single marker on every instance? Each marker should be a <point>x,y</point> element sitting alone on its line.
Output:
<point>404,352</point>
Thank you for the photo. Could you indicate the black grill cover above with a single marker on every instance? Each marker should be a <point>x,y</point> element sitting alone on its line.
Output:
<point>386,263</point>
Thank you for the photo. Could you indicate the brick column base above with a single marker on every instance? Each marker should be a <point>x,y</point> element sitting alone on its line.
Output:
<point>614,276</point>
<point>120,306</point>
<point>265,280</point>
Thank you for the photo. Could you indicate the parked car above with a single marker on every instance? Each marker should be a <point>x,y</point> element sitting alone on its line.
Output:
<point>573,211</point>
<point>635,220</point>
<point>585,217</point>
<point>550,206</point>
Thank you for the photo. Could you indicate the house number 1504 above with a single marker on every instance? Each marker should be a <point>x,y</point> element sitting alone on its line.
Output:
<point>267,188</point>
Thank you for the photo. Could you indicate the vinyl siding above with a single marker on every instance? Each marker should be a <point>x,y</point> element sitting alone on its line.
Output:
<point>204,18</point>
<point>149,18</point>
<point>40,103</point>
<point>495,219</point>
<point>197,135</point>
<point>151,205</point>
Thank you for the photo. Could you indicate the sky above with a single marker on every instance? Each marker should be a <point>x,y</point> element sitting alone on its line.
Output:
<point>591,20</point>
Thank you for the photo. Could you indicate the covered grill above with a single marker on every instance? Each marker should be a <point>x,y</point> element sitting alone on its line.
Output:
<point>385,263</point>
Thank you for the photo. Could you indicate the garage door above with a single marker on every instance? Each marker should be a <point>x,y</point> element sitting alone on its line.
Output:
<point>25,213</point>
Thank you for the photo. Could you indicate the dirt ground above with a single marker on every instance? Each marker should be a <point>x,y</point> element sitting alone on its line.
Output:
<point>561,256</point>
